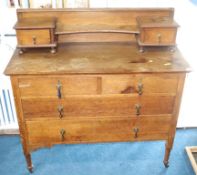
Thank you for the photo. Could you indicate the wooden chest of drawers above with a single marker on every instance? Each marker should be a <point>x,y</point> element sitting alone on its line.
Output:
<point>97,92</point>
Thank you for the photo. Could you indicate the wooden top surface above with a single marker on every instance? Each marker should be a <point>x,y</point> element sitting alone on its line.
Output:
<point>96,58</point>
<point>35,24</point>
<point>156,21</point>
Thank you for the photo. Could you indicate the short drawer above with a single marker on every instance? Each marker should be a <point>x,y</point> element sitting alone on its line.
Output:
<point>52,86</point>
<point>33,37</point>
<point>96,130</point>
<point>158,35</point>
<point>121,105</point>
<point>139,83</point>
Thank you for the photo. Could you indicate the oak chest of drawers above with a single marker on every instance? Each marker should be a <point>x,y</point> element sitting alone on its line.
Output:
<point>97,92</point>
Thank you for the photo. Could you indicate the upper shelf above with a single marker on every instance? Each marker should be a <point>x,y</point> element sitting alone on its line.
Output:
<point>95,28</point>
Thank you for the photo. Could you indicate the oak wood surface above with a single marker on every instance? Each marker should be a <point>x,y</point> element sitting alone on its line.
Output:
<point>95,130</point>
<point>91,58</point>
<point>39,86</point>
<point>150,35</point>
<point>98,106</point>
<point>25,37</point>
<point>37,23</point>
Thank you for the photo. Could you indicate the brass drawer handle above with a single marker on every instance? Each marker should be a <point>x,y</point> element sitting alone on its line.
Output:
<point>138,109</point>
<point>60,109</point>
<point>140,87</point>
<point>34,39</point>
<point>136,130</point>
<point>62,134</point>
<point>59,87</point>
<point>159,38</point>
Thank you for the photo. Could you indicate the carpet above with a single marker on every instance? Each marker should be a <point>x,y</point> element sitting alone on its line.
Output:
<point>125,158</point>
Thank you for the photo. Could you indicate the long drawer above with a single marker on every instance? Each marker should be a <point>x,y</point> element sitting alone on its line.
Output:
<point>97,129</point>
<point>37,86</point>
<point>111,105</point>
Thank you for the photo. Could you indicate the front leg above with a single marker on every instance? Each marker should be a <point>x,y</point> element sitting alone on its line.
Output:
<point>167,154</point>
<point>29,162</point>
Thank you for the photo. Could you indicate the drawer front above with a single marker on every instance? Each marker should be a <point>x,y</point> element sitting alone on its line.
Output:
<point>101,84</point>
<point>96,130</point>
<point>33,37</point>
<point>158,35</point>
<point>48,86</point>
<point>144,83</point>
<point>98,106</point>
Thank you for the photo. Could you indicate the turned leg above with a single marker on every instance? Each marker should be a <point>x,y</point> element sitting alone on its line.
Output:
<point>141,50</point>
<point>21,51</point>
<point>29,163</point>
<point>53,50</point>
<point>167,155</point>
<point>172,49</point>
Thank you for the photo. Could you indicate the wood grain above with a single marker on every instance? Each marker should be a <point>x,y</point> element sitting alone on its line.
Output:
<point>92,58</point>
<point>98,106</point>
<point>95,130</point>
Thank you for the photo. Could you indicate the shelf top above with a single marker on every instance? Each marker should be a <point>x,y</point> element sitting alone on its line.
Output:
<point>35,24</point>
<point>96,28</point>
<point>96,58</point>
<point>156,21</point>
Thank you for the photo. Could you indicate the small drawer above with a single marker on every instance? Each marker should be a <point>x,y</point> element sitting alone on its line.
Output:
<point>96,130</point>
<point>139,84</point>
<point>57,87</point>
<point>98,106</point>
<point>33,37</point>
<point>158,35</point>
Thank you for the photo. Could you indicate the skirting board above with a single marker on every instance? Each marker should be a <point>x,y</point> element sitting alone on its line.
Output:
<point>9,131</point>
<point>190,150</point>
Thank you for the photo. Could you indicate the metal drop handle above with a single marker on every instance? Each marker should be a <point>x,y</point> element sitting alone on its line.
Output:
<point>34,39</point>
<point>138,109</point>
<point>62,134</point>
<point>59,89</point>
<point>60,109</point>
<point>136,130</point>
<point>140,87</point>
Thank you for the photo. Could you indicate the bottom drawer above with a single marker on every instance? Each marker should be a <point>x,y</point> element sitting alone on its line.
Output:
<point>97,130</point>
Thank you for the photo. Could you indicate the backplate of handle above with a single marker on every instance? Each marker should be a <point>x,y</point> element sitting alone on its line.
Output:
<point>59,89</point>
<point>60,109</point>
<point>62,134</point>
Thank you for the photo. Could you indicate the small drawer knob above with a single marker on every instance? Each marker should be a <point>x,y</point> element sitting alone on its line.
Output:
<point>62,134</point>
<point>59,87</point>
<point>60,109</point>
<point>138,109</point>
<point>159,37</point>
<point>136,130</point>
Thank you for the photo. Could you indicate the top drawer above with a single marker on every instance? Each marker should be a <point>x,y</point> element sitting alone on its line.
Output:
<point>97,84</point>
<point>139,84</point>
<point>158,36</point>
<point>33,37</point>
<point>54,86</point>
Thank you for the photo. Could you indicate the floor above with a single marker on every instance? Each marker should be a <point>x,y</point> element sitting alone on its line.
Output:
<point>141,158</point>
